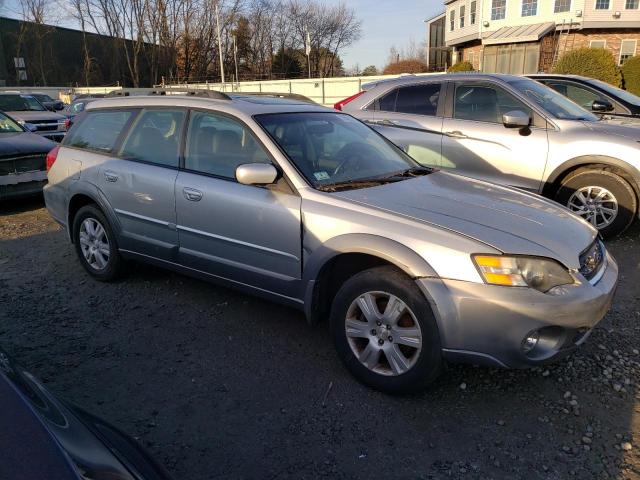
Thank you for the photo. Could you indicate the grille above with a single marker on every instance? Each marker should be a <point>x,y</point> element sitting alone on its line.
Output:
<point>592,259</point>
<point>26,163</point>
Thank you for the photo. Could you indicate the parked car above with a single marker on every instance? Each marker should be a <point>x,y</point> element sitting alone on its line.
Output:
<point>513,131</point>
<point>44,437</point>
<point>27,110</point>
<point>48,102</point>
<point>76,107</point>
<point>592,94</point>
<point>312,208</point>
<point>22,159</point>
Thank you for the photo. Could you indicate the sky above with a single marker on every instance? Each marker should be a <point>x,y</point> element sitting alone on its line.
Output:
<point>385,23</point>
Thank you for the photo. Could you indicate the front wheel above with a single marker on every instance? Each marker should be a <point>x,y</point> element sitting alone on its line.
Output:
<point>602,198</point>
<point>385,332</point>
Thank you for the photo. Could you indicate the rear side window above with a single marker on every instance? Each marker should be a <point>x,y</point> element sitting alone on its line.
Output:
<point>98,130</point>
<point>418,99</point>
<point>155,138</point>
<point>386,103</point>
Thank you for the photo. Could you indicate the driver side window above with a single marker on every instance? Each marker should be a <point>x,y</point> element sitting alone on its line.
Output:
<point>580,95</point>
<point>485,103</point>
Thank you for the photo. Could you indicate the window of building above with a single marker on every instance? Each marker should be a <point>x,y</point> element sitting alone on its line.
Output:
<point>217,145</point>
<point>472,13</point>
<point>452,20</point>
<point>462,15</point>
<point>562,6</point>
<point>155,138</point>
<point>597,44</point>
<point>632,4</point>
<point>529,8</point>
<point>498,9</point>
<point>627,50</point>
<point>602,4</point>
<point>99,130</point>
<point>516,59</point>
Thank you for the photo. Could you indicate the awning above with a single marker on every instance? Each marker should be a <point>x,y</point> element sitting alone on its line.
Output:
<point>520,33</point>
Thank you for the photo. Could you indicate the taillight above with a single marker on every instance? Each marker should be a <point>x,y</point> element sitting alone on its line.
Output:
<point>52,156</point>
<point>340,105</point>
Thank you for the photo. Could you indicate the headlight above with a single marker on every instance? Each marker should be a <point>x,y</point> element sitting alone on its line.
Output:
<point>539,273</point>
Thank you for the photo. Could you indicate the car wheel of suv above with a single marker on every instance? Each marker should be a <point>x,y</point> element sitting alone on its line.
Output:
<point>385,332</point>
<point>96,244</point>
<point>602,198</point>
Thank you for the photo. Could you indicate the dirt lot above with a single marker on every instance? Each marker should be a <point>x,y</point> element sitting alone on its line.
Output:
<point>221,385</point>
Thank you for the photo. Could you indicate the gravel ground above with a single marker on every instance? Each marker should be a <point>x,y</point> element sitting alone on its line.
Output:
<point>217,384</point>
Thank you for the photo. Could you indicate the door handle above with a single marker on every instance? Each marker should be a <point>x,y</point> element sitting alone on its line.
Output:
<point>456,134</point>
<point>192,194</point>
<point>110,176</point>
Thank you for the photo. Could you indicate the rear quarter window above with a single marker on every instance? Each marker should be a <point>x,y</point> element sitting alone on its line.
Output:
<point>99,130</point>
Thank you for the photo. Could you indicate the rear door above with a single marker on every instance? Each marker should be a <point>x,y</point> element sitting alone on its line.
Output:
<point>139,179</point>
<point>411,117</point>
<point>475,142</point>
<point>244,233</point>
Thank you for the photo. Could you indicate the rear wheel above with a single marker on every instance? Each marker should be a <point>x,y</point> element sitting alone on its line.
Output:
<point>96,244</point>
<point>602,198</point>
<point>385,332</point>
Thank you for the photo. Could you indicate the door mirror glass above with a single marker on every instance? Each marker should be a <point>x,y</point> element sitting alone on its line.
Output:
<point>516,119</point>
<point>601,106</point>
<point>256,174</point>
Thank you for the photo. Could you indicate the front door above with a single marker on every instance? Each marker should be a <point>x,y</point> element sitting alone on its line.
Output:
<point>475,142</point>
<point>243,233</point>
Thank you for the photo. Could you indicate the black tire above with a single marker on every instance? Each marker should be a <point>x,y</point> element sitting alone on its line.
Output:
<point>618,186</point>
<point>427,360</point>
<point>114,266</point>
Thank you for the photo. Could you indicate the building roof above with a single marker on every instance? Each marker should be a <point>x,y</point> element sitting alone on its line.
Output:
<point>435,17</point>
<point>519,33</point>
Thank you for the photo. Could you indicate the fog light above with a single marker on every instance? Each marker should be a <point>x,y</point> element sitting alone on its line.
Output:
<point>530,342</point>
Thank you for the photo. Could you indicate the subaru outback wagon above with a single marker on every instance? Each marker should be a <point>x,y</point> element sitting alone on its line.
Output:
<point>314,209</point>
<point>513,131</point>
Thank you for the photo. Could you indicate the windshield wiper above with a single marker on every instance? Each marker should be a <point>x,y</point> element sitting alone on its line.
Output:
<point>350,184</point>
<point>417,171</point>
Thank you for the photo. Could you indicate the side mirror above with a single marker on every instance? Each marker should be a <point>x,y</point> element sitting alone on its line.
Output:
<point>516,119</point>
<point>30,127</point>
<point>601,106</point>
<point>58,106</point>
<point>256,174</point>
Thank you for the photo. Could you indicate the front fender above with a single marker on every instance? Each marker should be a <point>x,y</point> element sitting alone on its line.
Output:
<point>389,250</point>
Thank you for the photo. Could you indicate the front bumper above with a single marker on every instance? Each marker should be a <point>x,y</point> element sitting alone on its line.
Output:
<point>22,184</point>
<point>487,324</point>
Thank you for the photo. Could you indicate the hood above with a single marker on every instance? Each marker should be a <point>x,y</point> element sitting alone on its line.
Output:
<point>506,219</point>
<point>628,128</point>
<point>23,143</point>
<point>31,116</point>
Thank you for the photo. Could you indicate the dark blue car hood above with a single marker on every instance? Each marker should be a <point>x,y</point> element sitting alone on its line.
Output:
<point>23,143</point>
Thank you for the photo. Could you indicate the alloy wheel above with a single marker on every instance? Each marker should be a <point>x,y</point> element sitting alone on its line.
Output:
<point>596,205</point>
<point>94,243</point>
<point>383,333</point>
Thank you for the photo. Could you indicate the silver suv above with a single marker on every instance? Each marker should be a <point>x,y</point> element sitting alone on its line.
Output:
<point>312,208</point>
<point>513,131</point>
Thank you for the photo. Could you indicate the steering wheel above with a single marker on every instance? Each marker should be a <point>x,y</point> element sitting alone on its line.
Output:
<point>354,155</point>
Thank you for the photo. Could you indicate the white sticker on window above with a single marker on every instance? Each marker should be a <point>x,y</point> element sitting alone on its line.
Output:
<point>321,175</point>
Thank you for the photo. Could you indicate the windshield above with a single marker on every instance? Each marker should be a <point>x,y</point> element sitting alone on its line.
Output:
<point>557,105</point>
<point>617,92</point>
<point>20,103</point>
<point>333,148</point>
<point>41,97</point>
<point>8,126</point>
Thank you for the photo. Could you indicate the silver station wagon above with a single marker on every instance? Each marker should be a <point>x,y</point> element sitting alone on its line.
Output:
<point>314,209</point>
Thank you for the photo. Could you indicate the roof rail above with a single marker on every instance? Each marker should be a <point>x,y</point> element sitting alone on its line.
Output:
<point>288,96</point>
<point>193,92</point>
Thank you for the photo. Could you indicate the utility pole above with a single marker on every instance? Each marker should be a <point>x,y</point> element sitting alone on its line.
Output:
<point>307,49</point>
<point>235,60</point>
<point>219,43</point>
